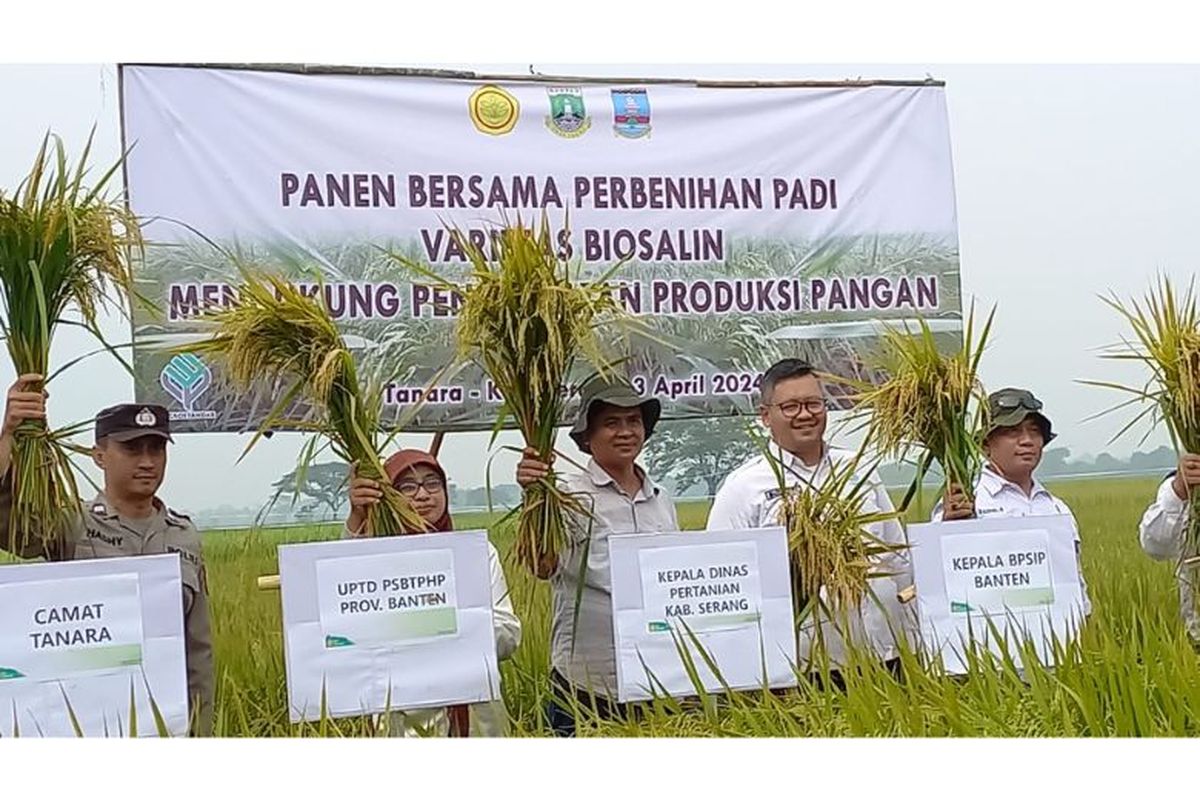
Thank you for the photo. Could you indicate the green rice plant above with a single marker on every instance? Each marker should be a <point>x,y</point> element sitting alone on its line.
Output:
<point>277,333</point>
<point>1166,340</point>
<point>65,252</point>
<point>528,319</point>
<point>1131,671</point>
<point>931,400</point>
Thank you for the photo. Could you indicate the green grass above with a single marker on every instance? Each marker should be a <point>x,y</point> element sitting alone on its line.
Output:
<point>1133,672</point>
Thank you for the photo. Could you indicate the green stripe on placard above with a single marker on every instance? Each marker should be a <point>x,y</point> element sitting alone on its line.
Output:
<point>707,623</point>
<point>1018,598</point>
<point>399,627</point>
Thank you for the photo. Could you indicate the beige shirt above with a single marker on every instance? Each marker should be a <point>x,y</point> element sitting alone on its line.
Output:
<point>100,532</point>
<point>581,635</point>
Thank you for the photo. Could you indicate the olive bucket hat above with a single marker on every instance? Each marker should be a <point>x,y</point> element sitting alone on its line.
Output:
<point>615,392</point>
<point>1009,407</point>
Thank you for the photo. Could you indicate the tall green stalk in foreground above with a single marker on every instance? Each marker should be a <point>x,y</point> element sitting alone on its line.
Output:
<point>527,319</point>
<point>65,254</point>
<point>931,400</point>
<point>1166,339</point>
<point>276,332</point>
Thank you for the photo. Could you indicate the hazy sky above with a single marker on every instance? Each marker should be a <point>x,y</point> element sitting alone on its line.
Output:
<point>1071,182</point>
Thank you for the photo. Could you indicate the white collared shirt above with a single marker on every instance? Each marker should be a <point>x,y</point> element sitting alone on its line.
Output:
<point>996,496</point>
<point>750,498</point>
<point>582,648</point>
<point>1161,535</point>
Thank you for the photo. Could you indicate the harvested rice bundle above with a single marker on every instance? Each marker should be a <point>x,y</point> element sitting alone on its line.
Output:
<point>1166,339</point>
<point>528,319</point>
<point>274,332</point>
<point>65,249</point>
<point>833,551</point>
<point>931,400</point>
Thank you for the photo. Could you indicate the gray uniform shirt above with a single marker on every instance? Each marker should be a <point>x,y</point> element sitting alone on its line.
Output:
<point>100,532</point>
<point>582,649</point>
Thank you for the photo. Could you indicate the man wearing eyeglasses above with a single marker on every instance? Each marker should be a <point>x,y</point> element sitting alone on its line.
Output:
<point>1017,434</point>
<point>793,408</point>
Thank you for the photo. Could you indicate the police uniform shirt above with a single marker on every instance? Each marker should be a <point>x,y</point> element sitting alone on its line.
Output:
<point>100,532</point>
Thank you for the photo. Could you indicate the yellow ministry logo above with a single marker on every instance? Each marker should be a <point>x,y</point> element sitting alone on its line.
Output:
<point>493,110</point>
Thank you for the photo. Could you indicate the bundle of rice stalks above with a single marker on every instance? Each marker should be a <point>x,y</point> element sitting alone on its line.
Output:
<point>276,332</point>
<point>65,253</point>
<point>834,553</point>
<point>527,319</point>
<point>931,400</point>
<point>1166,339</point>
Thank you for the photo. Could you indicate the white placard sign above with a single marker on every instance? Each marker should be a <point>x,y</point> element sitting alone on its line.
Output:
<point>730,589</point>
<point>78,637</point>
<point>1018,574</point>
<point>398,622</point>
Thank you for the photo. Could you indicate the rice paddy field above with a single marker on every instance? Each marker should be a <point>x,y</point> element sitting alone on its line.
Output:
<point>1132,672</point>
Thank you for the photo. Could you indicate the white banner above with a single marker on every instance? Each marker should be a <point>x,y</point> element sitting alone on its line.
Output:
<point>728,589</point>
<point>82,638</point>
<point>393,623</point>
<point>1013,576</point>
<point>756,222</point>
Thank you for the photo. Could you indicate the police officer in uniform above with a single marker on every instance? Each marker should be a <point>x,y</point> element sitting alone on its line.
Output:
<point>126,519</point>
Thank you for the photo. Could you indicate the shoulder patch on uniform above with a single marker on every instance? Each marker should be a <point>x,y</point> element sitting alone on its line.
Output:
<point>99,508</point>
<point>186,554</point>
<point>178,517</point>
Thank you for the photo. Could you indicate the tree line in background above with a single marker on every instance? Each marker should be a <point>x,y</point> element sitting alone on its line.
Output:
<point>691,457</point>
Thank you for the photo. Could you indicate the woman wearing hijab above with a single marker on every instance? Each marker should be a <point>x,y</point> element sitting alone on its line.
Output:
<point>418,476</point>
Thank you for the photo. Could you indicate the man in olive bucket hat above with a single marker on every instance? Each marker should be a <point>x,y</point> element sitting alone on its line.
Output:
<point>612,426</point>
<point>1016,435</point>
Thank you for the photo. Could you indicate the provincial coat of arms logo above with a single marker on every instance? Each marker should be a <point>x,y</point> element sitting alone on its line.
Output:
<point>631,113</point>
<point>568,116</point>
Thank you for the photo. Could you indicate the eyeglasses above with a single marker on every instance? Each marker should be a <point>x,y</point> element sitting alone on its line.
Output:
<point>791,408</point>
<point>432,485</point>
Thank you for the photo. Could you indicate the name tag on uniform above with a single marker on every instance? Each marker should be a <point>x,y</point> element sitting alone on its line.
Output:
<point>107,538</point>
